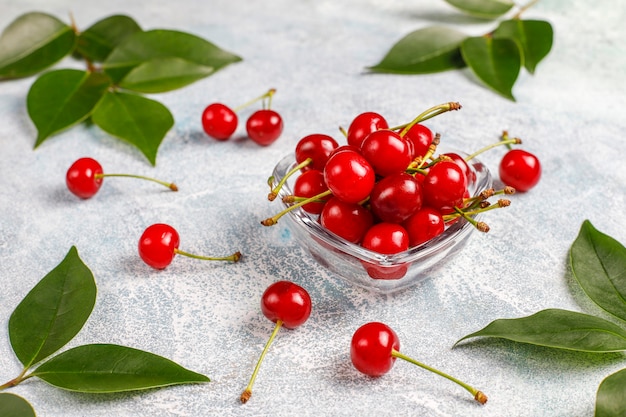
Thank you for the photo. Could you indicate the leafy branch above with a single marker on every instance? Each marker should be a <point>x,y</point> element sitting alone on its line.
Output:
<point>50,315</point>
<point>496,57</point>
<point>122,63</point>
<point>598,263</point>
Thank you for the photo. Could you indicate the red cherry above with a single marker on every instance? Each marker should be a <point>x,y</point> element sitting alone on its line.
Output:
<point>84,177</point>
<point>308,184</point>
<point>347,220</point>
<point>343,148</point>
<point>349,176</point>
<point>420,137</point>
<point>363,125</point>
<point>219,121</point>
<point>159,243</point>
<point>386,151</point>
<point>520,169</point>
<point>444,186</point>
<point>371,348</point>
<point>386,238</point>
<point>286,304</point>
<point>424,225</point>
<point>318,147</point>
<point>396,197</point>
<point>264,126</point>
<point>470,175</point>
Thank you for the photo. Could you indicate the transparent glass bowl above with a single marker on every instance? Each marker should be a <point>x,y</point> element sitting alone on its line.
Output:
<point>371,270</point>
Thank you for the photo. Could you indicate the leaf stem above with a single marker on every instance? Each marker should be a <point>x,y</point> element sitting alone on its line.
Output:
<point>478,395</point>
<point>523,8</point>
<point>247,393</point>
<point>15,381</point>
<point>169,185</point>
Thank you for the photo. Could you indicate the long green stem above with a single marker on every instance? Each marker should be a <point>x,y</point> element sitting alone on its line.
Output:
<point>247,393</point>
<point>274,219</point>
<point>493,145</point>
<point>428,114</point>
<point>232,258</point>
<point>478,395</point>
<point>269,94</point>
<point>169,185</point>
<point>274,191</point>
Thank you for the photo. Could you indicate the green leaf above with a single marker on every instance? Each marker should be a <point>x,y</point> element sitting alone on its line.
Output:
<point>138,120</point>
<point>611,396</point>
<point>496,62</point>
<point>12,405</point>
<point>534,37</point>
<point>599,265</point>
<point>33,42</point>
<point>149,49</point>
<point>486,9</point>
<point>561,329</point>
<point>102,368</point>
<point>432,49</point>
<point>54,311</point>
<point>97,42</point>
<point>62,98</point>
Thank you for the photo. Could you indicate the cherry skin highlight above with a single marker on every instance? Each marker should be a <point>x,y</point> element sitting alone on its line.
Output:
<point>520,169</point>
<point>219,121</point>
<point>158,244</point>
<point>264,127</point>
<point>371,348</point>
<point>81,177</point>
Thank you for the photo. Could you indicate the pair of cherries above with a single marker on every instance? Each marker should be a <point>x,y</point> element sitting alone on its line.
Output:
<point>374,347</point>
<point>263,126</point>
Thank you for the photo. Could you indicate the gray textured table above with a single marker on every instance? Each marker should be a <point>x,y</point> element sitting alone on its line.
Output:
<point>206,316</point>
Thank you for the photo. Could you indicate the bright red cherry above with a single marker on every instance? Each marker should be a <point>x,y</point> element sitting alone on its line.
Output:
<point>347,220</point>
<point>159,244</point>
<point>470,175</point>
<point>374,348</point>
<point>445,186</point>
<point>219,121</point>
<point>420,137</point>
<point>387,151</point>
<point>85,176</point>
<point>318,147</point>
<point>286,304</point>
<point>264,126</point>
<point>520,169</point>
<point>396,197</point>
<point>424,225</point>
<point>363,125</point>
<point>349,176</point>
<point>309,184</point>
<point>387,239</point>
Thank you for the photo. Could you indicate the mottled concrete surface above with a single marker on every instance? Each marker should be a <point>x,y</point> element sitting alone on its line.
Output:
<point>206,316</point>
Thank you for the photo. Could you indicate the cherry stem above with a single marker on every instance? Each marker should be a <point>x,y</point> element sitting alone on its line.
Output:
<point>232,258</point>
<point>274,219</point>
<point>478,395</point>
<point>274,191</point>
<point>247,393</point>
<point>505,141</point>
<point>428,114</point>
<point>169,185</point>
<point>343,131</point>
<point>269,94</point>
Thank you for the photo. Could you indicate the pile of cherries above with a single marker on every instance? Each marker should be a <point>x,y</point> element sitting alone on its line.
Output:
<point>387,189</point>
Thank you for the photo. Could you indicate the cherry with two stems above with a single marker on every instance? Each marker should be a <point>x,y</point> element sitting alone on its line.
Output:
<point>375,347</point>
<point>266,125</point>
<point>287,305</point>
<point>84,178</point>
<point>159,244</point>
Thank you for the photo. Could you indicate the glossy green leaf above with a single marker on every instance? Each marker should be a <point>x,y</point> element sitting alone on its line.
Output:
<point>599,265</point>
<point>97,42</point>
<point>12,405</point>
<point>102,368</point>
<point>33,42</point>
<point>138,120</point>
<point>533,36</point>
<point>54,311</point>
<point>611,396</point>
<point>561,329</point>
<point>496,62</point>
<point>149,48</point>
<point>427,50</point>
<point>62,98</point>
<point>486,9</point>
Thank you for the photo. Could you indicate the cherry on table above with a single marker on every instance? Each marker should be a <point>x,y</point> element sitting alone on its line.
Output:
<point>159,244</point>
<point>264,126</point>
<point>288,305</point>
<point>84,178</point>
<point>520,169</point>
<point>219,121</point>
<point>374,348</point>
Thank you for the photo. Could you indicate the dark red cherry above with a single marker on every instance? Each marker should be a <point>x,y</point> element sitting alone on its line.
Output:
<point>424,225</point>
<point>396,197</point>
